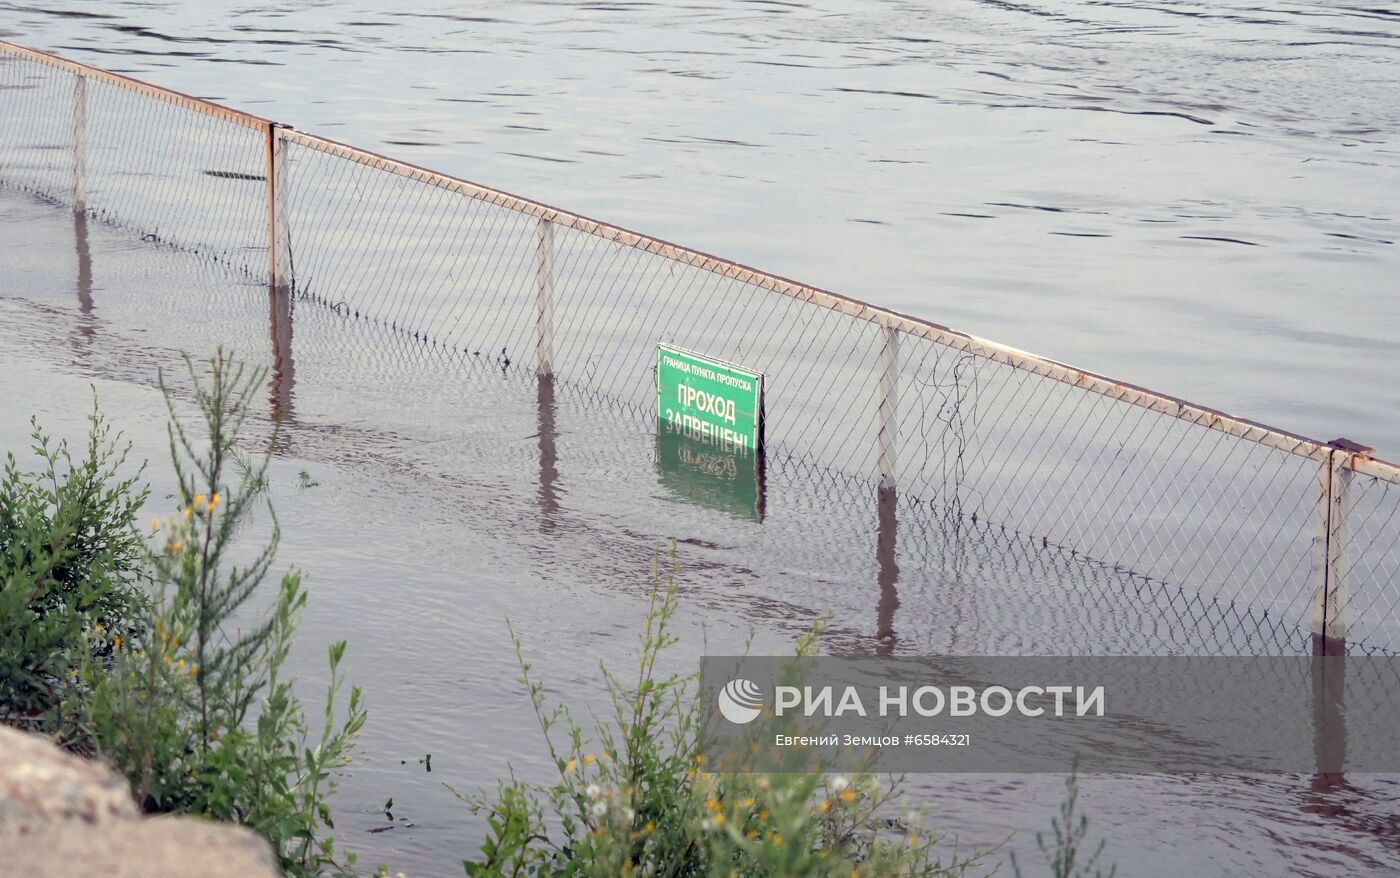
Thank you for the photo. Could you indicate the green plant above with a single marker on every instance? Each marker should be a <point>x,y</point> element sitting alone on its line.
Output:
<point>643,803</point>
<point>70,566</point>
<point>194,707</point>
<point>1067,856</point>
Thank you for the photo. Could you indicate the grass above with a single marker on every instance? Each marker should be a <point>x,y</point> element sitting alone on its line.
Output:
<point>633,796</point>
<point>72,577</point>
<point>146,650</point>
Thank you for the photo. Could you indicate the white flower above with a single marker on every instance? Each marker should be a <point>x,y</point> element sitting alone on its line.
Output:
<point>630,814</point>
<point>600,808</point>
<point>592,791</point>
<point>839,783</point>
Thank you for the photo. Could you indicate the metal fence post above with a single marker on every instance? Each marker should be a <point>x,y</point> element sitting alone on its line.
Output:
<point>80,142</point>
<point>1330,595</point>
<point>544,297</point>
<point>279,251</point>
<point>1324,553</point>
<point>887,423</point>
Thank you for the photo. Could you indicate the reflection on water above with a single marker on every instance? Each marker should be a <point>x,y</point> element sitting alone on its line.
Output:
<point>549,457</point>
<point>84,284</point>
<point>282,374</point>
<point>886,558</point>
<point>710,473</point>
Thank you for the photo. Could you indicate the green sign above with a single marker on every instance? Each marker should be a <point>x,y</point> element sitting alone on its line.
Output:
<point>709,400</point>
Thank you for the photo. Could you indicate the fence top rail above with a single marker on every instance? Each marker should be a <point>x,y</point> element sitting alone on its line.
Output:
<point>1213,419</point>
<point>1381,469</point>
<point>190,102</point>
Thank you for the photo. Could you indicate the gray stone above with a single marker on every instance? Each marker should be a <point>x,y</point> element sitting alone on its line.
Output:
<point>159,847</point>
<point>39,783</point>
<point>65,817</point>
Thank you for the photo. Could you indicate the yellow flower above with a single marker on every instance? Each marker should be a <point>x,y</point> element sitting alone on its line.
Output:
<point>752,833</point>
<point>746,802</point>
<point>117,641</point>
<point>848,795</point>
<point>214,501</point>
<point>188,511</point>
<point>762,816</point>
<point>194,671</point>
<point>155,525</point>
<point>180,665</point>
<point>719,820</point>
<point>825,805</point>
<point>588,759</point>
<point>570,766</point>
<point>199,501</point>
<point>776,839</point>
<point>650,827</point>
<point>713,805</point>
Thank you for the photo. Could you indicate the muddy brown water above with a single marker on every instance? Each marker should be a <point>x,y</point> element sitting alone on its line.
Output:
<point>1197,198</point>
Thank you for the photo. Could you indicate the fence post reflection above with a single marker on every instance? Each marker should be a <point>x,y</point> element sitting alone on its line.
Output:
<point>1329,729</point>
<point>549,469</point>
<point>886,547</point>
<point>283,376</point>
<point>80,241</point>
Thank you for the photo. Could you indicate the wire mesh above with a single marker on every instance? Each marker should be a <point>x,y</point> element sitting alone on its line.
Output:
<point>1369,553</point>
<point>36,127</point>
<point>1197,508</point>
<point>1129,486</point>
<point>137,158</point>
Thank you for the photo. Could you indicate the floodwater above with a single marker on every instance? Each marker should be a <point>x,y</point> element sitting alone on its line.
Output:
<point>441,498</point>
<point>1197,198</point>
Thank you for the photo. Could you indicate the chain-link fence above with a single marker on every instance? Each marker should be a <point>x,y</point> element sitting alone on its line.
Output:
<point>964,432</point>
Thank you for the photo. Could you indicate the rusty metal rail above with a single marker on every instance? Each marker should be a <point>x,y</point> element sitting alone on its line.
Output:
<point>989,431</point>
<point>97,74</point>
<point>1091,382</point>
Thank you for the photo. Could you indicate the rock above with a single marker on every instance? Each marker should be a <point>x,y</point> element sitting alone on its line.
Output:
<point>159,847</point>
<point>39,783</point>
<point>63,816</point>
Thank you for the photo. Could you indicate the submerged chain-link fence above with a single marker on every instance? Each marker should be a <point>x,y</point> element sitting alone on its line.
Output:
<point>1253,520</point>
